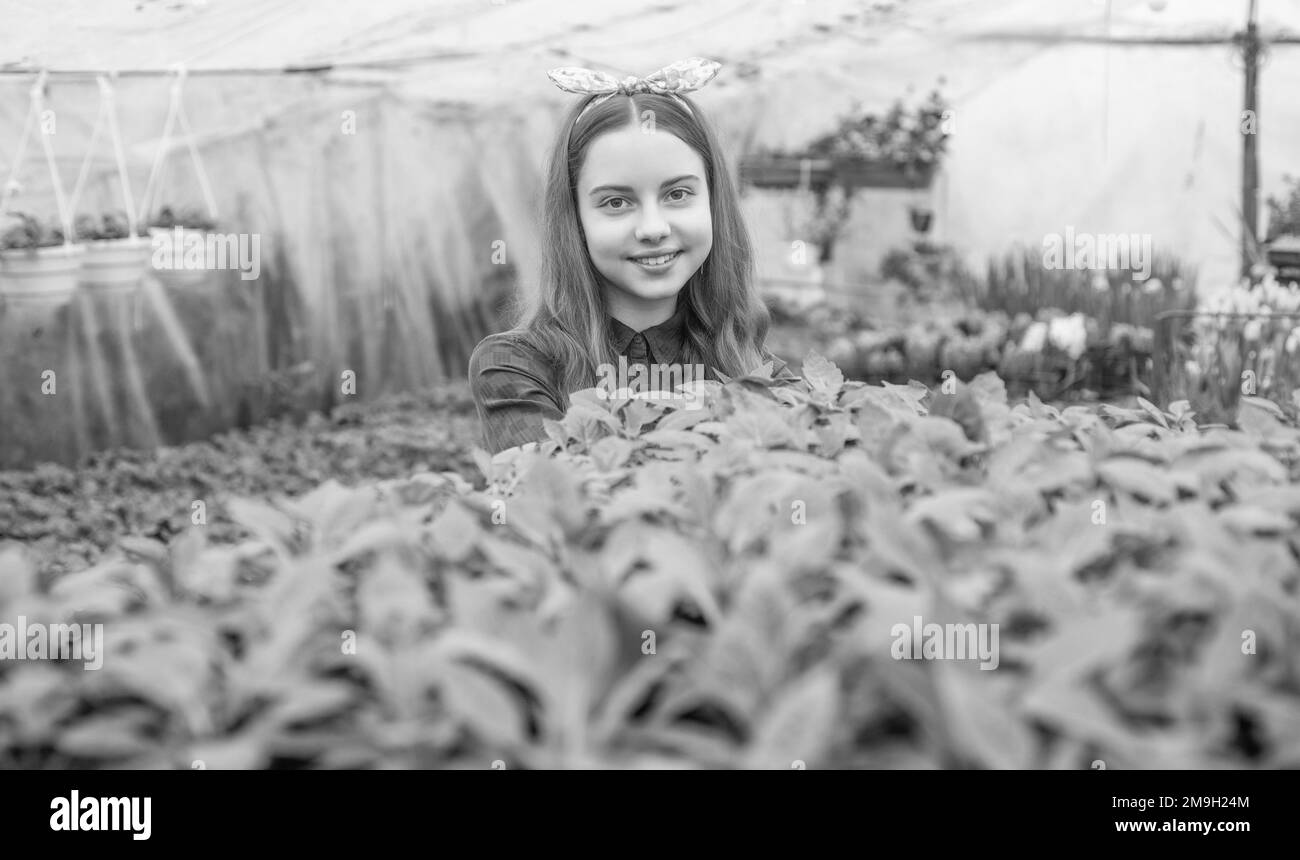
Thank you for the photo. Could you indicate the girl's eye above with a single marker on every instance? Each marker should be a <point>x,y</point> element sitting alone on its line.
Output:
<point>685,191</point>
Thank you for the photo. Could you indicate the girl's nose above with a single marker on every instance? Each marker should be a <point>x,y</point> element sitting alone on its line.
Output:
<point>652,225</point>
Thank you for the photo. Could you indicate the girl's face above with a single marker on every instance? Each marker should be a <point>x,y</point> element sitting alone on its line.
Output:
<point>644,195</point>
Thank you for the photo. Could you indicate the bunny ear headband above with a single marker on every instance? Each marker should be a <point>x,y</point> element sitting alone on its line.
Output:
<point>683,76</point>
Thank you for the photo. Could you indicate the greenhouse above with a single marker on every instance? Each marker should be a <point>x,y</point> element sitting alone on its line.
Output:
<point>977,318</point>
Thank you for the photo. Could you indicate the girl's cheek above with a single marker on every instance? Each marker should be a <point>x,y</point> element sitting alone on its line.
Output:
<point>701,213</point>
<point>600,228</point>
<point>702,223</point>
<point>612,233</point>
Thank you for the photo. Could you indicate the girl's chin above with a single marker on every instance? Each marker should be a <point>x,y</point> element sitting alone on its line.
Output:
<point>652,293</point>
<point>649,288</point>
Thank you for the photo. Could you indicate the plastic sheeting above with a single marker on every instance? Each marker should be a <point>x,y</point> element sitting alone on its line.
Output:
<point>377,258</point>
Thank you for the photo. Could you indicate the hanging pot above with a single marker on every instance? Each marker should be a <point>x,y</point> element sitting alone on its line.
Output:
<point>115,264</point>
<point>41,274</point>
<point>921,219</point>
<point>852,172</point>
<point>784,172</point>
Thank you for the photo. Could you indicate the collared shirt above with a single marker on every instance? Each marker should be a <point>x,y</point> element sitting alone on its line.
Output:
<point>515,389</point>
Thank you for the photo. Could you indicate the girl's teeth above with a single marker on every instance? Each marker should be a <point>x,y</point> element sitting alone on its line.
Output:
<point>655,261</point>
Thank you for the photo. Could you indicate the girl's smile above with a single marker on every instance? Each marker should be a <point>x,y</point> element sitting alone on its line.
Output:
<point>644,206</point>
<point>657,263</point>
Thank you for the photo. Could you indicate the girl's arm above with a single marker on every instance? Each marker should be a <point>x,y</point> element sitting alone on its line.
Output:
<point>512,393</point>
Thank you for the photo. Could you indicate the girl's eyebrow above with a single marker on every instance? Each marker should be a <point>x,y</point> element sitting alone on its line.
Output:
<point>600,188</point>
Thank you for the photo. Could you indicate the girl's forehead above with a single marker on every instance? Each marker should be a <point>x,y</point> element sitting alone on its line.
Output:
<point>633,157</point>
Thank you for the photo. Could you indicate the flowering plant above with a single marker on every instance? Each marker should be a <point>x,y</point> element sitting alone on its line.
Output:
<point>1241,342</point>
<point>1069,334</point>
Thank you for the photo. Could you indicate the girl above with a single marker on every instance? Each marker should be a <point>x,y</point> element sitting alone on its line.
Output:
<point>646,257</point>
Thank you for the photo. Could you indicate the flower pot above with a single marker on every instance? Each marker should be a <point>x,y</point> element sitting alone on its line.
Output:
<point>921,220</point>
<point>41,274</point>
<point>861,173</point>
<point>115,264</point>
<point>1284,254</point>
<point>785,172</point>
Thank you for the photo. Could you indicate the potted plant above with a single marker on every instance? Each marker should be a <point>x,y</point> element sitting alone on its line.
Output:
<point>114,259</point>
<point>898,150</point>
<point>36,262</point>
<point>170,226</point>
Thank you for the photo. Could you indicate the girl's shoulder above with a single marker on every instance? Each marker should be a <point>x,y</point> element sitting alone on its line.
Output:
<point>508,343</point>
<point>514,351</point>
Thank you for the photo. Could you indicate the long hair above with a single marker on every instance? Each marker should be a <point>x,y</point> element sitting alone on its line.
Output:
<point>725,320</point>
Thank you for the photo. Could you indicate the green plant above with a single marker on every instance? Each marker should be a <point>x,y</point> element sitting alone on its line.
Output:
<point>191,219</point>
<point>1284,214</point>
<point>69,516</point>
<point>929,269</point>
<point>1054,354</point>
<point>715,588</point>
<point>906,137</point>
<point>110,225</point>
<point>30,233</point>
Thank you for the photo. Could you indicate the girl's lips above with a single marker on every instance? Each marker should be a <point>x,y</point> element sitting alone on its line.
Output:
<point>658,266</point>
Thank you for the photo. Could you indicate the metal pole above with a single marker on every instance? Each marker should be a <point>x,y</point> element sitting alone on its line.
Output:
<point>1250,151</point>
